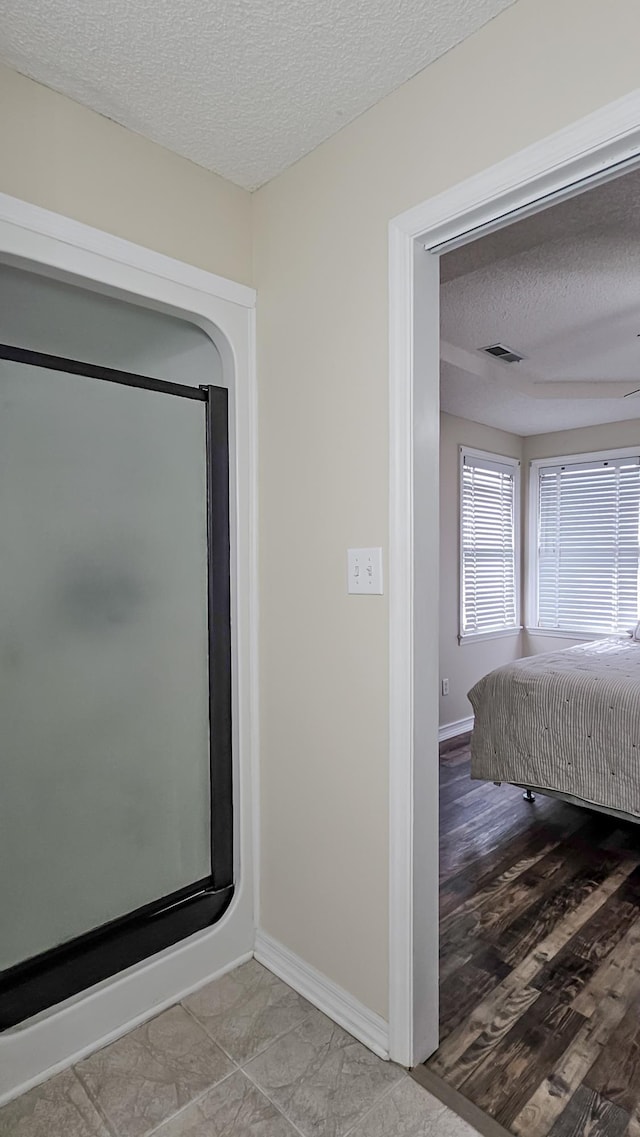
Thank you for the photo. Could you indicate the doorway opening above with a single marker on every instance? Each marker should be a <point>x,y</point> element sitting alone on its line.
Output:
<point>540,557</point>
<point>594,151</point>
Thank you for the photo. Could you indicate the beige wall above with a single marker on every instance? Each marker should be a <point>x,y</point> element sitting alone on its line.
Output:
<point>463,664</point>
<point>320,263</point>
<point>321,272</point>
<point>59,155</point>
<point>584,440</point>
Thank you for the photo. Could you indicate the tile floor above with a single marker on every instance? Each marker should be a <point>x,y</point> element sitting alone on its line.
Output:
<point>243,1057</point>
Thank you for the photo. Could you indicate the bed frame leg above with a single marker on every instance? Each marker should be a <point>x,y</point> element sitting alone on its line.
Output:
<point>528,796</point>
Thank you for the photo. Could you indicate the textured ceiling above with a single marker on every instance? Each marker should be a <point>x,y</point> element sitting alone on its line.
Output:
<point>505,406</point>
<point>242,87</point>
<point>612,206</point>
<point>563,289</point>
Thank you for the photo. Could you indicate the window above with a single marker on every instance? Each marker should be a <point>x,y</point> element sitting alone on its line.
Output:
<point>586,563</point>
<point>489,568</point>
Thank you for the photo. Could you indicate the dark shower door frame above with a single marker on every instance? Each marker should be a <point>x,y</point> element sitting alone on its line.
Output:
<point>54,975</point>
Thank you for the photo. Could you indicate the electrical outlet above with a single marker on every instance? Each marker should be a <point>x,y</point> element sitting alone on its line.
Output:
<point>445,686</point>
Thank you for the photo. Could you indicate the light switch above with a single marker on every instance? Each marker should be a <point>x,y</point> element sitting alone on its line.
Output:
<point>364,571</point>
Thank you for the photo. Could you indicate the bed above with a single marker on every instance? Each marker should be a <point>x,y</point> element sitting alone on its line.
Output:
<point>565,723</point>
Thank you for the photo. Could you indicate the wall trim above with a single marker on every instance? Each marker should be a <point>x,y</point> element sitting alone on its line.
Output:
<point>365,1025</point>
<point>594,149</point>
<point>453,729</point>
<point>48,224</point>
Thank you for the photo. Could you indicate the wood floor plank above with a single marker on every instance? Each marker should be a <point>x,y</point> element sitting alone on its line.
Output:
<point>574,966</point>
<point>540,962</point>
<point>615,1075</point>
<point>546,832</point>
<point>487,897</point>
<point>477,799</point>
<point>460,993</point>
<point>566,893</point>
<point>453,960</point>
<point>555,1091</point>
<point>565,976</point>
<point>603,932</point>
<point>589,1115</point>
<point>461,844</point>
<point>619,975</point>
<point>490,1012</point>
<point>456,785</point>
<point>461,848</point>
<point>522,853</point>
<point>516,1065</point>
<point>460,1061</point>
<point>552,894</point>
<point>503,915</point>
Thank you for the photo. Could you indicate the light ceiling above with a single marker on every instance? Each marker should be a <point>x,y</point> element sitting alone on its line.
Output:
<point>242,87</point>
<point>562,288</point>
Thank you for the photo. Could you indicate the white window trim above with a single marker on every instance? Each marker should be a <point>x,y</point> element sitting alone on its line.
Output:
<point>474,637</point>
<point>563,634</point>
<point>503,460</point>
<point>531,555</point>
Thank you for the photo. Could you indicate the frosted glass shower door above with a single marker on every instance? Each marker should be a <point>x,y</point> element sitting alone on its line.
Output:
<point>105,803</point>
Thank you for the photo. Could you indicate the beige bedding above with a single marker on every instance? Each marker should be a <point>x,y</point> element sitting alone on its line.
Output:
<point>567,721</point>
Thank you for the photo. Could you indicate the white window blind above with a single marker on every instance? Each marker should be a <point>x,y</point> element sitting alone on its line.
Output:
<point>588,516</point>
<point>489,594</point>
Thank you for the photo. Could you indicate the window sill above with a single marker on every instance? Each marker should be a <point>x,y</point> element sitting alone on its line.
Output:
<point>480,637</point>
<point>564,634</point>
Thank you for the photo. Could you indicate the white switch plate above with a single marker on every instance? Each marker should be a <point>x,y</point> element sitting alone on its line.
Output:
<point>364,568</point>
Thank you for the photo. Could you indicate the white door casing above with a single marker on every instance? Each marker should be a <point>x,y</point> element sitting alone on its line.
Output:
<point>594,149</point>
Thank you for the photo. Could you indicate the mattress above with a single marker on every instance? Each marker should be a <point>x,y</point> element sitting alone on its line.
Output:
<point>567,721</point>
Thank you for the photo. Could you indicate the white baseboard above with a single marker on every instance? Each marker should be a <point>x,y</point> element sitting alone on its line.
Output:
<point>365,1025</point>
<point>453,729</point>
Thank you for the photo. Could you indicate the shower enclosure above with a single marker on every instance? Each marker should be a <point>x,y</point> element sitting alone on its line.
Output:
<point>115,671</point>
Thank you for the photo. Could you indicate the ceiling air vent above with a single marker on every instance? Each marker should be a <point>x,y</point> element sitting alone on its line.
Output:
<point>501,351</point>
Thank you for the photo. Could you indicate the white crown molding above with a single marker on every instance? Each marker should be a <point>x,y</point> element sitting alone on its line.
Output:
<point>368,1027</point>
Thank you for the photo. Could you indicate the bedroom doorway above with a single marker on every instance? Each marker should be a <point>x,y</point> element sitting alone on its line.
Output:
<point>592,152</point>
<point>539,571</point>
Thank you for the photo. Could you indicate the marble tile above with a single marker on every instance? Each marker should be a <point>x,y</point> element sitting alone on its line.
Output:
<point>58,1108</point>
<point>450,1125</point>
<point>247,1009</point>
<point>146,1076</point>
<point>410,1111</point>
<point>321,1078</point>
<point>236,1108</point>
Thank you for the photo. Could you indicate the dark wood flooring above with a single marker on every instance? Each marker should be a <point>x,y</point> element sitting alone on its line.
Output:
<point>540,960</point>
